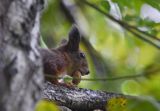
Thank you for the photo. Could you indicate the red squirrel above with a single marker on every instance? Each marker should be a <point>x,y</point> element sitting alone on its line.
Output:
<point>67,59</point>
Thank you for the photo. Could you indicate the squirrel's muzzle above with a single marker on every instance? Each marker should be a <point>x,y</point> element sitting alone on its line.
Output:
<point>87,73</point>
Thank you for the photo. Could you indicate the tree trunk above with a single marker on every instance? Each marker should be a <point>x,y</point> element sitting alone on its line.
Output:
<point>20,62</point>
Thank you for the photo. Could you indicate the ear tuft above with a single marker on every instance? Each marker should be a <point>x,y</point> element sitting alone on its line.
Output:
<point>74,33</point>
<point>74,39</point>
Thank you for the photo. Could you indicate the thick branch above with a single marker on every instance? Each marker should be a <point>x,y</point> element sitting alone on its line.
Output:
<point>77,99</point>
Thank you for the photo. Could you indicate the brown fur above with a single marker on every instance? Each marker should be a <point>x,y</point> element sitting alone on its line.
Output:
<point>67,58</point>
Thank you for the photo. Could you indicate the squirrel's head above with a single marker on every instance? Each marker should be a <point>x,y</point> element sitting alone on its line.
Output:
<point>76,57</point>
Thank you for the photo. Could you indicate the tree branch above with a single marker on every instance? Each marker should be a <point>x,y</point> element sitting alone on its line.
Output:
<point>138,33</point>
<point>78,99</point>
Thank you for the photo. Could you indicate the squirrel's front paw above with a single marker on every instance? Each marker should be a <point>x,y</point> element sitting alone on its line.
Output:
<point>69,85</point>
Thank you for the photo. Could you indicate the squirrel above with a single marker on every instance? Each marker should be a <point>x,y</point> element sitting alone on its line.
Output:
<point>67,59</point>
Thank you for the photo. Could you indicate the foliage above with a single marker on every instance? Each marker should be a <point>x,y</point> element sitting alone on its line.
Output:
<point>44,105</point>
<point>115,104</point>
<point>132,104</point>
<point>121,51</point>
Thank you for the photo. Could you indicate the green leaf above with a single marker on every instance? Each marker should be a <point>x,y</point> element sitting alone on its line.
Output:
<point>131,5</point>
<point>44,105</point>
<point>105,5</point>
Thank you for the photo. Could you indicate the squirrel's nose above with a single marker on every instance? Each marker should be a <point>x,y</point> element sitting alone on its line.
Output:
<point>87,72</point>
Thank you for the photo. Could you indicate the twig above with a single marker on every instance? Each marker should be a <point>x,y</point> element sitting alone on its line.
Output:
<point>111,78</point>
<point>130,28</point>
<point>100,79</point>
<point>142,38</point>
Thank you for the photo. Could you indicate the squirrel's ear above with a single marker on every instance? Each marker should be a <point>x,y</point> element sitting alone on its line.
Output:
<point>74,39</point>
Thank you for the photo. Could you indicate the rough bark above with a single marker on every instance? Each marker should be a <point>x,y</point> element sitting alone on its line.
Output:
<point>20,62</point>
<point>78,99</point>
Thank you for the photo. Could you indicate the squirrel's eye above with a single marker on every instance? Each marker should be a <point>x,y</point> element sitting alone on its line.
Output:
<point>82,55</point>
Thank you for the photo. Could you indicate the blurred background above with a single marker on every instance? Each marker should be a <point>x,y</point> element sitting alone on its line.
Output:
<point>120,39</point>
